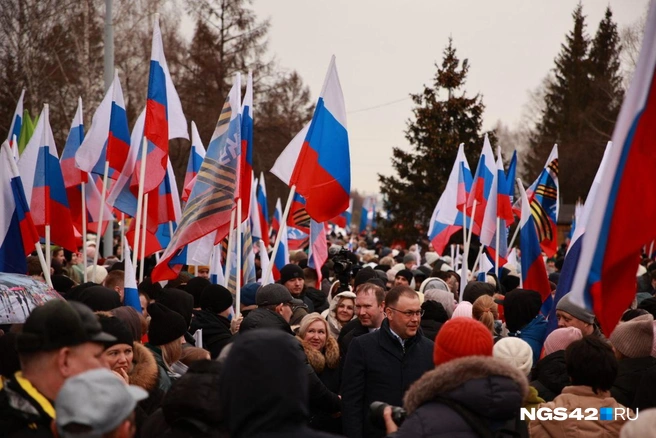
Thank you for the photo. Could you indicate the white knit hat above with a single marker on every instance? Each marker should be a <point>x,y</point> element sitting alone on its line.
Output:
<point>515,352</point>
<point>464,309</point>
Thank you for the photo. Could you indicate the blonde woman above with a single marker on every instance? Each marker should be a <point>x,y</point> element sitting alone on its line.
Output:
<point>322,352</point>
<point>340,312</point>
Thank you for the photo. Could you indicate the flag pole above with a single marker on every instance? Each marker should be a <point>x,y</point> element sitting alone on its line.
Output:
<point>142,257</point>
<point>471,229</point>
<point>283,229</point>
<point>478,259</point>
<point>651,249</point>
<point>103,197</point>
<point>142,175</point>
<point>84,227</point>
<point>44,266</point>
<point>239,262</point>
<point>228,263</point>
<point>496,253</point>
<point>46,110</point>
<point>48,255</point>
<point>122,227</point>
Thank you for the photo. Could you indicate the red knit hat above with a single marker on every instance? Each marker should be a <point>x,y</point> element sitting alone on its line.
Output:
<point>461,337</point>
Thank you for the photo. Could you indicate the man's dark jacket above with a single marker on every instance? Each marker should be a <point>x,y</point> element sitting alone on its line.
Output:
<point>216,331</point>
<point>379,368</point>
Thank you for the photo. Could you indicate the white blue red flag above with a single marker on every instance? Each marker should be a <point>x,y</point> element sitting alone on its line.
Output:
<point>275,220</point>
<point>282,256</point>
<point>131,292</point>
<point>481,186</point>
<point>263,209</point>
<point>18,235</point>
<point>490,227</point>
<point>245,178</point>
<point>447,219</point>
<point>16,123</point>
<point>196,156</point>
<point>625,210</point>
<point>318,253</point>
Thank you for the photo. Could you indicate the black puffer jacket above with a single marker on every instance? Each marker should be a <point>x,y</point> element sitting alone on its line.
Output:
<point>216,331</point>
<point>191,407</point>
<point>634,382</point>
<point>491,390</point>
<point>550,375</point>
<point>264,388</point>
<point>264,318</point>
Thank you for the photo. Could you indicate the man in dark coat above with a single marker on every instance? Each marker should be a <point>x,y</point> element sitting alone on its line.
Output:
<point>264,389</point>
<point>380,366</point>
<point>215,304</point>
<point>274,312</point>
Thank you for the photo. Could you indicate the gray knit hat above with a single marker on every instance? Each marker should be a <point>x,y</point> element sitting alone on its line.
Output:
<point>634,338</point>
<point>566,305</point>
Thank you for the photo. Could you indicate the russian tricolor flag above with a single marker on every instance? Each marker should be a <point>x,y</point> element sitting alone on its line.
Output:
<point>534,271</point>
<point>263,209</point>
<point>506,190</point>
<point>368,215</point>
<point>73,175</point>
<point>297,239</point>
<point>44,186</point>
<point>490,226</point>
<point>447,219</point>
<point>245,177</point>
<point>108,138</point>
<point>164,118</point>
<point>481,186</point>
<point>16,123</point>
<point>282,256</point>
<point>298,215</point>
<point>344,219</point>
<point>275,221</point>
<point>625,210</point>
<point>321,169</point>
<point>18,235</point>
<point>196,157</point>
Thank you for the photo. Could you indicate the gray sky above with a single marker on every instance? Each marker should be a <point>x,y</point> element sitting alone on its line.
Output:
<point>387,49</point>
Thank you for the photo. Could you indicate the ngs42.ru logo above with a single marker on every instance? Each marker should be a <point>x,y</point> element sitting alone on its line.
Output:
<point>590,414</point>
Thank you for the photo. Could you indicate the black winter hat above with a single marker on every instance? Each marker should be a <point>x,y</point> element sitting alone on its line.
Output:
<point>475,289</point>
<point>99,298</point>
<point>62,283</point>
<point>521,306</point>
<point>166,325</point>
<point>405,273</point>
<point>363,276</point>
<point>117,328</point>
<point>215,298</point>
<point>649,305</point>
<point>179,301</point>
<point>195,287</point>
<point>289,272</point>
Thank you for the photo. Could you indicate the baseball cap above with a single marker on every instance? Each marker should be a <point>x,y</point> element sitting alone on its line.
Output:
<point>97,399</point>
<point>59,324</point>
<point>275,294</point>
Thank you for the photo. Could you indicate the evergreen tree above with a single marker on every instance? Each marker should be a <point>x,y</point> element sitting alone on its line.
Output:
<point>444,117</point>
<point>581,105</point>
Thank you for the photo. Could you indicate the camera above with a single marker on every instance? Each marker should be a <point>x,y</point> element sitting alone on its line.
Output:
<point>343,267</point>
<point>376,413</point>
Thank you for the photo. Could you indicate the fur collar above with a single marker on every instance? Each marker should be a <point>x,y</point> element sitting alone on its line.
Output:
<point>145,373</point>
<point>319,361</point>
<point>451,375</point>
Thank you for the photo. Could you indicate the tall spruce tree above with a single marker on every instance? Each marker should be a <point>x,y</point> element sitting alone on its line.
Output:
<point>581,105</point>
<point>443,118</point>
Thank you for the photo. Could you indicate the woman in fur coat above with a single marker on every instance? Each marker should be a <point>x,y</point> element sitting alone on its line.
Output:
<point>322,353</point>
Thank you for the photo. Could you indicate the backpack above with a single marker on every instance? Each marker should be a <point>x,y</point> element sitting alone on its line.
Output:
<point>513,428</point>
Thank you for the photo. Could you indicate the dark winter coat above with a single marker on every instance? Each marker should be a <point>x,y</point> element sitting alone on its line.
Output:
<point>264,318</point>
<point>634,385</point>
<point>321,398</point>
<point>378,368</point>
<point>350,331</point>
<point>264,388</point>
<point>216,331</point>
<point>318,298</point>
<point>191,407</point>
<point>21,414</point>
<point>550,375</point>
<point>488,388</point>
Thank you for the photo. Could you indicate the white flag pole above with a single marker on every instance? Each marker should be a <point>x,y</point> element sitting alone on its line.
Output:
<point>84,228</point>
<point>142,257</point>
<point>283,229</point>
<point>239,261</point>
<point>122,227</point>
<point>228,263</point>
<point>496,253</point>
<point>142,175</point>
<point>103,196</point>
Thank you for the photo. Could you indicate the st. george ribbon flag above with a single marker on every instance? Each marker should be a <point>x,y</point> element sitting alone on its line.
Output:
<point>624,211</point>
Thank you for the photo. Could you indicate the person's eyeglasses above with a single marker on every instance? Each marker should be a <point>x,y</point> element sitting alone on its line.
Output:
<point>409,313</point>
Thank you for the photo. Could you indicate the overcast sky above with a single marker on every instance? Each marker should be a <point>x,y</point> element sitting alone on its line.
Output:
<point>388,49</point>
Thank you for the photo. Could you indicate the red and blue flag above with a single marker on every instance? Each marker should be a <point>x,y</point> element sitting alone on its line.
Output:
<point>245,178</point>
<point>263,209</point>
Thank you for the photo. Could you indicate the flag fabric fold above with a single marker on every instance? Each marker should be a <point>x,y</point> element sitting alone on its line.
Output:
<point>196,156</point>
<point>481,186</point>
<point>318,253</point>
<point>263,210</point>
<point>16,122</point>
<point>131,292</point>
<point>245,178</point>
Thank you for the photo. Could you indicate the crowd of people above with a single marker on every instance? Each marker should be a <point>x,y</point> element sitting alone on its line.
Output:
<point>311,355</point>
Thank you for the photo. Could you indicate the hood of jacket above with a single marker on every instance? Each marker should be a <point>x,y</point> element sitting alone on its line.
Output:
<point>211,323</point>
<point>144,371</point>
<point>264,385</point>
<point>551,371</point>
<point>485,385</point>
<point>331,314</point>
<point>193,403</point>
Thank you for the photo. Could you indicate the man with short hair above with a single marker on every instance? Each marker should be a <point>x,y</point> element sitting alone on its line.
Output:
<point>293,278</point>
<point>403,278</point>
<point>115,281</point>
<point>59,340</point>
<point>369,308</point>
<point>97,403</point>
<point>381,366</point>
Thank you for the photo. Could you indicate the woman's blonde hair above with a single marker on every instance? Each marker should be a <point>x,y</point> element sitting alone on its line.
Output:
<point>172,352</point>
<point>486,311</point>
<point>308,320</point>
